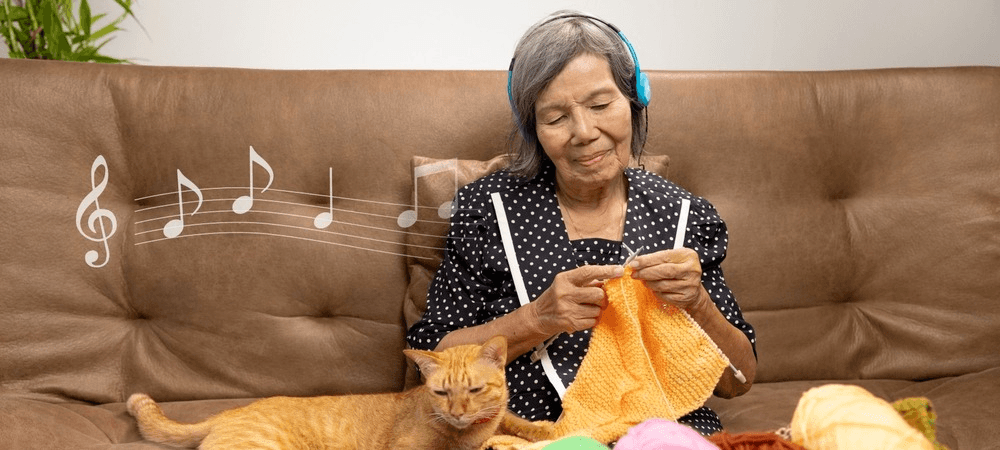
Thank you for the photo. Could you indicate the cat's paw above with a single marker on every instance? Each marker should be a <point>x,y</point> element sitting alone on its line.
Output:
<point>535,431</point>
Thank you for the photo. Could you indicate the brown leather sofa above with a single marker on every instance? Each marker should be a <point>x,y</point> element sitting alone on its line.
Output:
<point>863,210</point>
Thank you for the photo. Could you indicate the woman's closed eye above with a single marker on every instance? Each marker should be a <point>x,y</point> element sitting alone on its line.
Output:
<point>554,120</point>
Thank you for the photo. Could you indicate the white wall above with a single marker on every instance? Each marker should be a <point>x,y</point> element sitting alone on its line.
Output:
<point>470,34</point>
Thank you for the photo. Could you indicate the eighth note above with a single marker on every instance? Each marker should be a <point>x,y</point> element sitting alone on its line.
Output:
<point>97,216</point>
<point>176,226</point>
<point>324,219</point>
<point>407,218</point>
<point>244,203</point>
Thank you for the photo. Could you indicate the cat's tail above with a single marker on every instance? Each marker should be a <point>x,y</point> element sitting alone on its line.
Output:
<point>156,427</point>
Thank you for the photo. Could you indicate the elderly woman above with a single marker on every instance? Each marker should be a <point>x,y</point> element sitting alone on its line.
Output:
<point>529,246</point>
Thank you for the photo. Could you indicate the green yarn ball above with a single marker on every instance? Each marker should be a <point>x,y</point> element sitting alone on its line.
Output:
<point>576,443</point>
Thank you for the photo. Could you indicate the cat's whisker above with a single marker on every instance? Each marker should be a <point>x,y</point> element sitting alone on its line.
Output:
<point>437,417</point>
<point>486,412</point>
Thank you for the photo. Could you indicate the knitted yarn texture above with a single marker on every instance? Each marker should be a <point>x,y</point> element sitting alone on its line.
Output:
<point>646,360</point>
<point>919,413</point>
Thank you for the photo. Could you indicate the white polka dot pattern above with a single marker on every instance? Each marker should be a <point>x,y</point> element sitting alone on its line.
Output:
<point>473,284</point>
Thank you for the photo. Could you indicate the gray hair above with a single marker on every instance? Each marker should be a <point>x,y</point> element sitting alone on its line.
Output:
<point>540,56</point>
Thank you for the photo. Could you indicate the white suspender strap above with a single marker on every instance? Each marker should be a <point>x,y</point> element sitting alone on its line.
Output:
<point>682,223</point>
<point>522,293</point>
<point>508,248</point>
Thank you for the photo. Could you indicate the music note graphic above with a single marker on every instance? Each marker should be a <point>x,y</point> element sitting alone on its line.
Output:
<point>175,227</point>
<point>244,203</point>
<point>96,218</point>
<point>407,218</point>
<point>324,219</point>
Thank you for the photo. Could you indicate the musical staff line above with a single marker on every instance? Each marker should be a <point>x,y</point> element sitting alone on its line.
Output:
<point>261,200</point>
<point>383,241</point>
<point>180,216</point>
<point>301,238</point>
<point>297,216</point>
<point>285,191</point>
<point>308,205</point>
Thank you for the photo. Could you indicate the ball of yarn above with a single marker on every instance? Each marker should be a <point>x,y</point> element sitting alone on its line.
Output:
<point>752,441</point>
<point>836,417</point>
<point>660,434</point>
<point>576,443</point>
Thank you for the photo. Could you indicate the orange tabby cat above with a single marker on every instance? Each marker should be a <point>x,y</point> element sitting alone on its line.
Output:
<point>462,403</point>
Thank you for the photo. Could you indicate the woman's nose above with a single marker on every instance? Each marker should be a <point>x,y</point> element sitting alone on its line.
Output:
<point>584,128</point>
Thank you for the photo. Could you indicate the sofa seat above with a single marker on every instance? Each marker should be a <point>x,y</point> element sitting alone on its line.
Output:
<point>769,406</point>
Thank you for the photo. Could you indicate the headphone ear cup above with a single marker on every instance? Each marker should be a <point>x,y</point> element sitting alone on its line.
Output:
<point>642,89</point>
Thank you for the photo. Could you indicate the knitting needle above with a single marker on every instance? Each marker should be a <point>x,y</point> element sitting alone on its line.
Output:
<point>631,254</point>
<point>631,257</point>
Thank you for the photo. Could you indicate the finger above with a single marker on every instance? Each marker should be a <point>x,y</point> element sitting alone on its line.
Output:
<point>674,290</point>
<point>587,275</point>
<point>672,256</point>
<point>590,296</point>
<point>669,271</point>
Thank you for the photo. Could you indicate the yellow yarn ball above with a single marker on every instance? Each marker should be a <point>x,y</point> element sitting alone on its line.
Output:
<point>840,417</point>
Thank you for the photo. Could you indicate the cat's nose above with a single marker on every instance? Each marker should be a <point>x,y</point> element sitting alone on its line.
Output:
<point>459,408</point>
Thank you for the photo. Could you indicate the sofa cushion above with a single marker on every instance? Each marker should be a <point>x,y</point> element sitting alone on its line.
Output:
<point>861,209</point>
<point>235,305</point>
<point>38,424</point>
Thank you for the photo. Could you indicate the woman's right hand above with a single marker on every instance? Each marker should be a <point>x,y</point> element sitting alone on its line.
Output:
<point>574,300</point>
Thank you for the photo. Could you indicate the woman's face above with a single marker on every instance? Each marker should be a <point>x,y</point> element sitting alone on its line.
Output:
<point>584,124</point>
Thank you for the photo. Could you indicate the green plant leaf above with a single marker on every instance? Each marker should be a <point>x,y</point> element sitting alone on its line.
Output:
<point>127,6</point>
<point>55,40</point>
<point>50,28</point>
<point>11,27</point>
<point>30,6</point>
<point>60,29</point>
<point>109,28</point>
<point>9,24</point>
<point>16,13</point>
<point>85,19</point>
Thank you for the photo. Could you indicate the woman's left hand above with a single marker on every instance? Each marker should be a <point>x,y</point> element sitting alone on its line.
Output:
<point>673,275</point>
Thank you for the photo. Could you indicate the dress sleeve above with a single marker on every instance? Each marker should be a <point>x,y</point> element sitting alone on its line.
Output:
<point>710,238</point>
<point>461,288</point>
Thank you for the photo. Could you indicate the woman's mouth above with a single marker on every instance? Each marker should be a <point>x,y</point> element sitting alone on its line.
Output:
<point>591,160</point>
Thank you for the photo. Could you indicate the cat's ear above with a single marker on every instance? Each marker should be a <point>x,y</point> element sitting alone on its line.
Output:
<point>494,351</point>
<point>427,361</point>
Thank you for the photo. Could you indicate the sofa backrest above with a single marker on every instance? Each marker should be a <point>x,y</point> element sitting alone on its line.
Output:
<point>862,208</point>
<point>232,305</point>
<point>864,213</point>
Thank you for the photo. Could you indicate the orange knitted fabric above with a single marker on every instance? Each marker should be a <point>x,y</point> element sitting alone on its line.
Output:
<point>645,360</point>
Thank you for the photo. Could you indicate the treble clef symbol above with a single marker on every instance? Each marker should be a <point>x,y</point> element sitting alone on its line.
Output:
<point>96,218</point>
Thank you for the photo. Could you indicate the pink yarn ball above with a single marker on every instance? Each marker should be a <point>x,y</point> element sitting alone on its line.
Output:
<point>660,434</point>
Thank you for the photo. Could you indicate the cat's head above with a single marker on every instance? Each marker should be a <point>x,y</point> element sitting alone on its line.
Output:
<point>466,382</point>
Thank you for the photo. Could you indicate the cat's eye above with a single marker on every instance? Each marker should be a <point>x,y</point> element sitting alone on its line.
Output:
<point>475,390</point>
<point>440,392</point>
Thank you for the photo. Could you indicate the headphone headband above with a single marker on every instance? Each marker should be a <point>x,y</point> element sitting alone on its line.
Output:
<point>642,88</point>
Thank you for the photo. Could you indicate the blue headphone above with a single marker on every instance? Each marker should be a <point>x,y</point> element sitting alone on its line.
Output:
<point>642,88</point>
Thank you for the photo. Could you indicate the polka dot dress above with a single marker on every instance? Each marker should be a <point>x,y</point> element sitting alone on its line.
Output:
<point>474,286</point>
